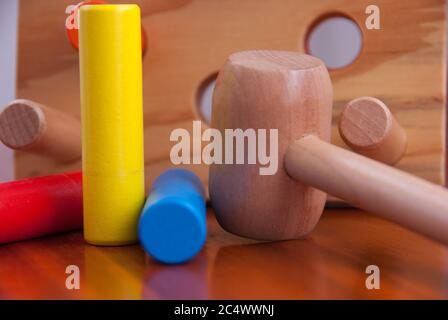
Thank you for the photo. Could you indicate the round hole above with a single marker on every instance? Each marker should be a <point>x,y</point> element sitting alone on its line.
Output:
<point>204,98</point>
<point>336,40</point>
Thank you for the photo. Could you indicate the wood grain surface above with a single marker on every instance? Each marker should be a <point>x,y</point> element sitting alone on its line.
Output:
<point>369,128</point>
<point>403,64</point>
<point>29,126</point>
<point>330,263</point>
<point>259,200</point>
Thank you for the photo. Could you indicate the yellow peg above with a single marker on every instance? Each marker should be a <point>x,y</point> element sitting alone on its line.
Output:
<point>112,122</point>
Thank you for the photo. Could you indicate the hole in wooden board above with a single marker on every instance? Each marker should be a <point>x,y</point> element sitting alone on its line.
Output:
<point>204,97</point>
<point>336,40</point>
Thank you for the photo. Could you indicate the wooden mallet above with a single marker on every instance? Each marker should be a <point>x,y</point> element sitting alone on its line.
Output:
<point>292,92</point>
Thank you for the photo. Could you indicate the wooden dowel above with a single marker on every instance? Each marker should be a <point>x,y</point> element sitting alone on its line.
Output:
<point>112,122</point>
<point>398,196</point>
<point>40,206</point>
<point>368,127</point>
<point>29,126</point>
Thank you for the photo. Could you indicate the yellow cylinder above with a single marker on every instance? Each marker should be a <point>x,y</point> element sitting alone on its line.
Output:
<point>112,122</point>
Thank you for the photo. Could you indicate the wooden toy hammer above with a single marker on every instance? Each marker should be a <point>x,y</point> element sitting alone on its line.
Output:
<point>292,92</point>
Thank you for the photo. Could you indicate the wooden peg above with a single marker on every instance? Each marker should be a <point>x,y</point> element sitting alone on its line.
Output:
<point>29,126</point>
<point>40,206</point>
<point>112,122</point>
<point>292,92</point>
<point>368,127</point>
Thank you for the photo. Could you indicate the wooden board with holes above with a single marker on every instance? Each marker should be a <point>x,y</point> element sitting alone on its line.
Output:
<point>403,64</point>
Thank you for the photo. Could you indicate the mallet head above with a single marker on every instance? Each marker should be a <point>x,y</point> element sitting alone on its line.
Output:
<point>287,91</point>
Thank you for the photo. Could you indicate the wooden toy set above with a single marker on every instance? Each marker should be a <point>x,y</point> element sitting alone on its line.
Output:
<point>188,41</point>
<point>399,120</point>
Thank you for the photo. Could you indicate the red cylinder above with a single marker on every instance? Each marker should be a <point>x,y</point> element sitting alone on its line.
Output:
<point>40,206</point>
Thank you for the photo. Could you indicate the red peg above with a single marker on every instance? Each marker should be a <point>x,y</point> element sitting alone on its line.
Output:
<point>71,24</point>
<point>40,206</point>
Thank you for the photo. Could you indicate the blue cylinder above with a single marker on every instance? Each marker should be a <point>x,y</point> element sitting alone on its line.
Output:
<point>172,226</point>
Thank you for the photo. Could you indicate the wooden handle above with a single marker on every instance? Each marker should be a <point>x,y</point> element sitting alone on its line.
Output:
<point>368,127</point>
<point>398,196</point>
<point>29,126</point>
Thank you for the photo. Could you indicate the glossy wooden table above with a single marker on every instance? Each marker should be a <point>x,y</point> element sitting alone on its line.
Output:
<point>331,263</point>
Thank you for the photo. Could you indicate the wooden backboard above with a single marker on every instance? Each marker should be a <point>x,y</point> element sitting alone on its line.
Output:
<point>403,64</point>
